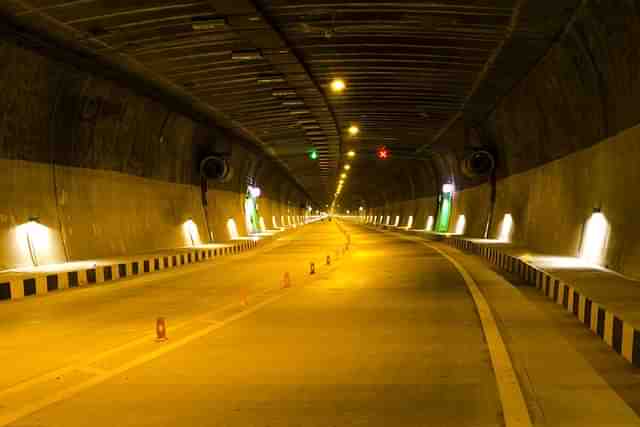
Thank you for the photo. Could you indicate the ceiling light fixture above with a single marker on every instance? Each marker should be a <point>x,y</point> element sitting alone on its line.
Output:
<point>354,130</point>
<point>284,92</point>
<point>208,22</point>
<point>246,54</point>
<point>338,85</point>
<point>271,79</point>
<point>351,153</point>
<point>347,167</point>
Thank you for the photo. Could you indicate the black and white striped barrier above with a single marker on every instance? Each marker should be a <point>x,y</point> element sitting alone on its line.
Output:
<point>19,285</point>
<point>617,333</point>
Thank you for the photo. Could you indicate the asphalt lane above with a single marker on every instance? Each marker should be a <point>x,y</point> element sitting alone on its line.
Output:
<point>388,335</point>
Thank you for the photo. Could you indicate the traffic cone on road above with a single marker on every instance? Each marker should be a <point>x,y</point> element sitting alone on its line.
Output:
<point>161,329</point>
<point>286,280</point>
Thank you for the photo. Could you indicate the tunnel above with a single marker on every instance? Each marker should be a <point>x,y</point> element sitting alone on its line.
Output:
<point>299,213</point>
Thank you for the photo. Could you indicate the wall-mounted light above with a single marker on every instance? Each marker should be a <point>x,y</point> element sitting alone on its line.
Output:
<point>35,237</point>
<point>429,226</point>
<point>594,239</point>
<point>190,230</point>
<point>232,229</point>
<point>461,224</point>
<point>506,228</point>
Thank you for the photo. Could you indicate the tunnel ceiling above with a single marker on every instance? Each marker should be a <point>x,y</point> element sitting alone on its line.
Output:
<point>411,68</point>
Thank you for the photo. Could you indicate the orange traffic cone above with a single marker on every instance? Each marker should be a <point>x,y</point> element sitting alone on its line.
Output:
<point>245,301</point>
<point>286,280</point>
<point>161,329</point>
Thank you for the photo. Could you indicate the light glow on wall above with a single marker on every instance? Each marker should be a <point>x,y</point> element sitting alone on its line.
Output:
<point>263,227</point>
<point>429,226</point>
<point>273,220</point>
<point>397,223</point>
<point>34,239</point>
<point>461,224</point>
<point>410,222</point>
<point>594,240</point>
<point>190,231</point>
<point>232,229</point>
<point>388,219</point>
<point>506,228</point>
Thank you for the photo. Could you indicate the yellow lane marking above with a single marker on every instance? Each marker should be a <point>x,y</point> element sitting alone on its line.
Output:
<point>113,351</point>
<point>103,376</point>
<point>514,406</point>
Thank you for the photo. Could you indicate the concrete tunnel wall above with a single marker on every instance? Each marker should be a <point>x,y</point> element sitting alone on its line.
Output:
<point>109,171</point>
<point>566,142</point>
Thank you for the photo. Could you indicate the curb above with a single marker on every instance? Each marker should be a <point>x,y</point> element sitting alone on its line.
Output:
<point>621,336</point>
<point>32,284</point>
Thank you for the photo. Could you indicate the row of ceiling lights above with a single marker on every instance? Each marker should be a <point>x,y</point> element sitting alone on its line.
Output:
<point>338,86</point>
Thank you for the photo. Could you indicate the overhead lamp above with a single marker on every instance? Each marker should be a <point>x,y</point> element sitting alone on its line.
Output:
<point>354,130</point>
<point>347,167</point>
<point>338,85</point>
<point>351,153</point>
<point>246,54</point>
<point>208,22</point>
<point>343,176</point>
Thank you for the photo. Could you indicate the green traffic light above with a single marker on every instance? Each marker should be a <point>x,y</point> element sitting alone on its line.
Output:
<point>313,155</point>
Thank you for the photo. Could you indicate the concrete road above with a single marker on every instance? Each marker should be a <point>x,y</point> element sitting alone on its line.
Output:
<point>387,335</point>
